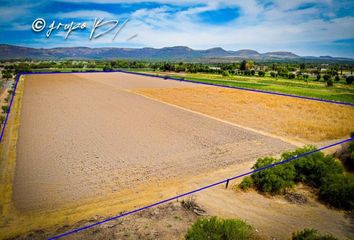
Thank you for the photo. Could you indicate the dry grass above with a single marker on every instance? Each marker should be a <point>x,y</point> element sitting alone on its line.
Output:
<point>296,119</point>
<point>8,158</point>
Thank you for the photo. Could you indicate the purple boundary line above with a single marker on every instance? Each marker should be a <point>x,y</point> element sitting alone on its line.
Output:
<point>10,105</point>
<point>241,88</point>
<point>210,84</point>
<point>197,190</point>
<point>168,78</point>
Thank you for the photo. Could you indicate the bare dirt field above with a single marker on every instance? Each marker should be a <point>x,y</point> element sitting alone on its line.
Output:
<point>102,143</point>
<point>86,136</point>
<point>287,117</point>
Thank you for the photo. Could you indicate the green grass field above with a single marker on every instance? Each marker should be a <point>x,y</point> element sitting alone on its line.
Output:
<point>316,89</point>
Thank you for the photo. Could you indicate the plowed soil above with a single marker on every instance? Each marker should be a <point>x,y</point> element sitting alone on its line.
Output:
<point>86,136</point>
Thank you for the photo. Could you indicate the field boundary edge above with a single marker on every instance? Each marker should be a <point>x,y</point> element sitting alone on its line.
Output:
<point>197,190</point>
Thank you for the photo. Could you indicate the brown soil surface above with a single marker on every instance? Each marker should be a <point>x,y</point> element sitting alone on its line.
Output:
<point>169,221</point>
<point>84,136</point>
<point>291,118</point>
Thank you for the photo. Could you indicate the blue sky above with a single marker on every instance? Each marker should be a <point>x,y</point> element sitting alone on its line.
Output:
<point>305,27</point>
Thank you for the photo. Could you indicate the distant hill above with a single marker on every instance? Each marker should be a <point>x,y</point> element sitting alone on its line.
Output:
<point>166,53</point>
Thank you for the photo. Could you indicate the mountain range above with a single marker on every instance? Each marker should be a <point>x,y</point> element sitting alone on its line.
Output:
<point>167,53</point>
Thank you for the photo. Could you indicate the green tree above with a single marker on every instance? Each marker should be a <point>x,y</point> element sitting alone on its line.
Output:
<point>6,74</point>
<point>302,66</point>
<point>328,79</point>
<point>250,64</point>
<point>243,65</point>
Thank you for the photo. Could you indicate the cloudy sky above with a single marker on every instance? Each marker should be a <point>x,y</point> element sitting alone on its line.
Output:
<point>305,27</point>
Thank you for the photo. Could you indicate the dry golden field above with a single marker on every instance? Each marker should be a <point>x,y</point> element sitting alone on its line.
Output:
<point>295,119</point>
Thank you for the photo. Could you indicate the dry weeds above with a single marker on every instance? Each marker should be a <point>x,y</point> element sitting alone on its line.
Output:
<point>288,117</point>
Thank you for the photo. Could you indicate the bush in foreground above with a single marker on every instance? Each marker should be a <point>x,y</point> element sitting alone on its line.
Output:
<point>216,229</point>
<point>313,168</point>
<point>246,183</point>
<point>338,190</point>
<point>311,234</point>
<point>273,180</point>
<point>348,157</point>
<point>317,170</point>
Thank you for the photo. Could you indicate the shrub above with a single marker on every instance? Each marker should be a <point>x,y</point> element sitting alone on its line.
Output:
<point>311,169</point>
<point>246,183</point>
<point>318,77</point>
<point>291,76</point>
<point>349,159</point>
<point>338,190</point>
<point>273,74</point>
<point>225,73</point>
<point>107,68</point>
<point>215,229</point>
<point>311,234</point>
<point>273,180</point>
<point>247,72</point>
<point>315,169</point>
<point>349,79</point>
<point>336,78</point>
<point>5,108</point>
<point>2,119</point>
<point>261,73</point>
<point>328,79</point>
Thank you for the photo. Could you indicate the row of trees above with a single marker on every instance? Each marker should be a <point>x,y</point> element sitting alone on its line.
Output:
<point>279,67</point>
<point>245,67</point>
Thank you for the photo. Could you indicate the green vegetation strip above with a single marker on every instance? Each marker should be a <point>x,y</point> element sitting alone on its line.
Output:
<point>334,95</point>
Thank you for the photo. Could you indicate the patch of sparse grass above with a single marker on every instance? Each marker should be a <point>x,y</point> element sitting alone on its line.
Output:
<point>311,234</point>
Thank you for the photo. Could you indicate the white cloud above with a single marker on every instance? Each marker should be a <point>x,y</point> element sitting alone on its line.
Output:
<point>86,14</point>
<point>281,26</point>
